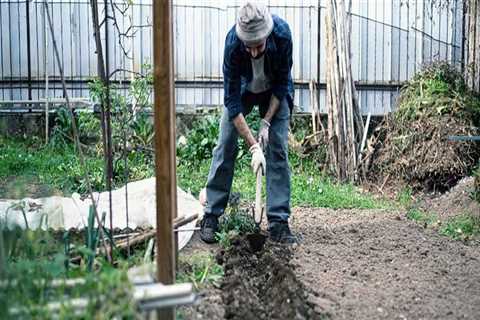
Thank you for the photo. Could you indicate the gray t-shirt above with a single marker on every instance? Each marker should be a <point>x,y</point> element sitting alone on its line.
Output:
<point>260,82</point>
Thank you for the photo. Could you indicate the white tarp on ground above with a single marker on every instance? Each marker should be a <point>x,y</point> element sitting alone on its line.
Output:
<point>72,212</point>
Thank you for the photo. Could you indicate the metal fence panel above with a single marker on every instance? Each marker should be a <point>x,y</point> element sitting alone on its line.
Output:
<point>390,40</point>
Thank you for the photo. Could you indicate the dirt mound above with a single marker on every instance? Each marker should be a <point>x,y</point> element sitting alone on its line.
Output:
<point>262,285</point>
<point>412,145</point>
<point>457,201</point>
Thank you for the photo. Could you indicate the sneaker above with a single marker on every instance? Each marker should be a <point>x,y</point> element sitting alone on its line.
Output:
<point>209,228</point>
<point>280,232</point>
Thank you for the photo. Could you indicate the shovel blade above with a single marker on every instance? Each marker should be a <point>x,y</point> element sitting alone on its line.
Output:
<point>256,241</point>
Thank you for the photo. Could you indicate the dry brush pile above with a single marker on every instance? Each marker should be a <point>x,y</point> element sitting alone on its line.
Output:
<point>412,144</point>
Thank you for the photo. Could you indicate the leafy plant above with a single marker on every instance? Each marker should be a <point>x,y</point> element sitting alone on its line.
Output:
<point>476,191</point>
<point>462,227</point>
<point>143,131</point>
<point>200,269</point>
<point>238,221</point>
<point>233,223</point>
<point>62,131</point>
<point>404,197</point>
<point>88,126</point>
<point>421,216</point>
<point>200,140</point>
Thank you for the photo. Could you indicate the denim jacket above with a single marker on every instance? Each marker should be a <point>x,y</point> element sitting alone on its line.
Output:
<point>237,66</point>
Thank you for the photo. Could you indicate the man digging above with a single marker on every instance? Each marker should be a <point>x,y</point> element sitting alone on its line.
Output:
<point>257,72</point>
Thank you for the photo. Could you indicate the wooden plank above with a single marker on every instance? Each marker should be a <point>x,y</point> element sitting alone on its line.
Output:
<point>476,57</point>
<point>164,120</point>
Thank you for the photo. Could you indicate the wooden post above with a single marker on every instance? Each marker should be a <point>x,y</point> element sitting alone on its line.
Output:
<point>472,44</point>
<point>164,119</point>
<point>345,126</point>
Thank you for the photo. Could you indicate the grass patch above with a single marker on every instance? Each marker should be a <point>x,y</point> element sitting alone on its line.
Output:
<point>308,186</point>
<point>462,227</point>
<point>56,168</point>
<point>404,197</point>
<point>200,269</point>
<point>420,216</point>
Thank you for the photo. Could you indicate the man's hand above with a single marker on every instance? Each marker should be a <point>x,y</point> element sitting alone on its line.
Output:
<point>263,133</point>
<point>258,159</point>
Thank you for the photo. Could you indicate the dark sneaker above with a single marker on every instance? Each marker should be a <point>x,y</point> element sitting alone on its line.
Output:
<point>280,232</point>
<point>209,228</point>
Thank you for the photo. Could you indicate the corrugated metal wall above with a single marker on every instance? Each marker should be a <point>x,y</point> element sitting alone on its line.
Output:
<point>390,40</point>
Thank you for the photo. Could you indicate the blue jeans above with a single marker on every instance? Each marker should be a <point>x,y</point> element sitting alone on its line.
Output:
<point>220,177</point>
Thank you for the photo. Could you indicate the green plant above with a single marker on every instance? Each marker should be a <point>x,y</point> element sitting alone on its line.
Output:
<point>462,227</point>
<point>92,238</point>
<point>404,197</point>
<point>33,277</point>
<point>89,127</point>
<point>437,90</point>
<point>421,216</point>
<point>62,131</point>
<point>29,292</point>
<point>225,238</point>
<point>233,223</point>
<point>200,269</point>
<point>476,188</point>
<point>58,166</point>
<point>143,130</point>
<point>200,140</point>
<point>238,221</point>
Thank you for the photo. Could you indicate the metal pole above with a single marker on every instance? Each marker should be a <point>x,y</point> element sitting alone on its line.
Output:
<point>164,119</point>
<point>45,63</point>
<point>29,51</point>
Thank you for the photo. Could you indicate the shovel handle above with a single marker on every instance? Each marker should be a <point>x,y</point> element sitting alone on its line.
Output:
<point>258,213</point>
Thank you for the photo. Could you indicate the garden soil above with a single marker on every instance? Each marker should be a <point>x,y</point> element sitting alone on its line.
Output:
<point>350,264</point>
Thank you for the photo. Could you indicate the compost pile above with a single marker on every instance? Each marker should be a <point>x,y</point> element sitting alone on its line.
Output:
<point>412,144</point>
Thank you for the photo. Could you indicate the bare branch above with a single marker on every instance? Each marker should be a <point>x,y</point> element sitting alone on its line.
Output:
<point>125,70</point>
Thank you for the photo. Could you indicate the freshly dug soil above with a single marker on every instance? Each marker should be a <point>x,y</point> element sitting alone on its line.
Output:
<point>374,264</point>
<point>263,284</point>
<point>350,264</point>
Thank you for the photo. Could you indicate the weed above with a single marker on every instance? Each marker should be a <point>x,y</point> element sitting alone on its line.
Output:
<point>233,223</point>
<point>462,227</point>
<point>225,238</point>
<point>29,263</point>
<point>200,269</point>
<point>437,90</point>
<point>238,221</point>
<point>404,197</point>
<point>200,140</point>
<point>59,167</point>
<point>420,216</point>
<point>476,188</point>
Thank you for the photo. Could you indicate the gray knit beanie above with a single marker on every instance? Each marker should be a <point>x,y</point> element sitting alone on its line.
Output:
<point>254,23</point>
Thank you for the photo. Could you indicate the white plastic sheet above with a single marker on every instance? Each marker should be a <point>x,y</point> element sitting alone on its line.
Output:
<point>72,212</point>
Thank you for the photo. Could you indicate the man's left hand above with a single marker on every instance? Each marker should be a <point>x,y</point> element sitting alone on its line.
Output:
<point>263,133</point>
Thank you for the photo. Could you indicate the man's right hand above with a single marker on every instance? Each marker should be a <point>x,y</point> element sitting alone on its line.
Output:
<point>258,159</point>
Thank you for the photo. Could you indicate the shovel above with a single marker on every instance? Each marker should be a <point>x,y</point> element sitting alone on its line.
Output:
<point>257,239</point>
